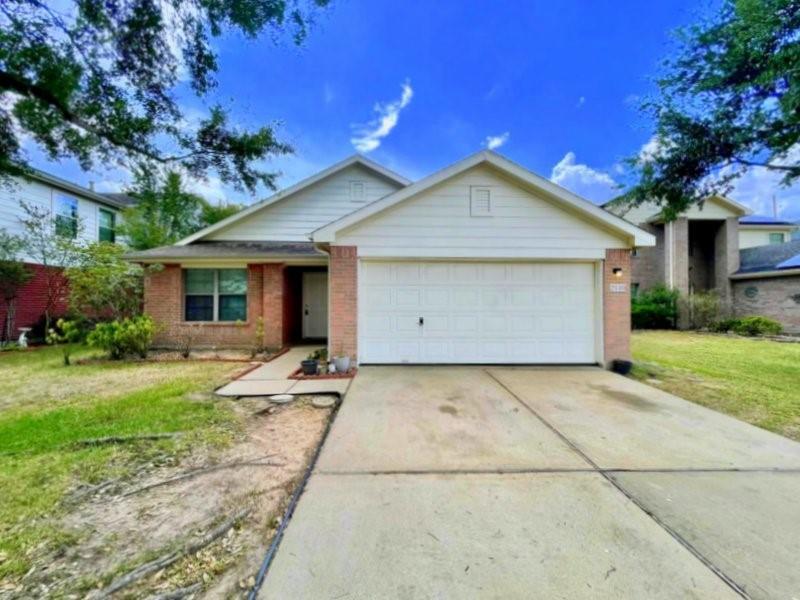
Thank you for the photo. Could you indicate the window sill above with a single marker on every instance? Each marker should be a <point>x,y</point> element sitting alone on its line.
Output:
<point>216,323</point>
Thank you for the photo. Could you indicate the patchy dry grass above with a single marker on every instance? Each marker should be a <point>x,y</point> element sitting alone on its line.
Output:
<point>46,408</point>
<point>755,380</point>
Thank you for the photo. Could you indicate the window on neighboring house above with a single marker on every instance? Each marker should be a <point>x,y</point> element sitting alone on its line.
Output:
<point>215,294</point>
<point>66,216</point>
<point>634,290</point>
<point>107,226</point>
<point>775,238</point>
<point>480,201</point>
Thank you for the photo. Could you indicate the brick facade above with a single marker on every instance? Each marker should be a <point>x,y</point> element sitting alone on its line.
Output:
<point>774,297</point>
<point>163,301</point>
<point>617,306</point>
<point>343,308</point>
<point>31,300</point>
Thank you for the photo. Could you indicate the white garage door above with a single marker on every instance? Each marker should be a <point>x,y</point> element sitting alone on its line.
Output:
<point>440,312</point>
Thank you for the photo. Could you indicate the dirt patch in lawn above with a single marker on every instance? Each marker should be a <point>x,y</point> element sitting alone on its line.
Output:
<point>121,525</point>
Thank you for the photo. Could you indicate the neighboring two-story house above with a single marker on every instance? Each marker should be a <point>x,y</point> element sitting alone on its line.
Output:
<point>712,247</point>
<point>76,211</point>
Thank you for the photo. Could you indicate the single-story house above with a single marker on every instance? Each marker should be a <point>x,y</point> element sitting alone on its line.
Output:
<point>481,262</point>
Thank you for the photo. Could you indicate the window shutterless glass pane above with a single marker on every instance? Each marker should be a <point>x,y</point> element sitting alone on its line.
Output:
<point>199,281</point>
<point>67,207</point>
<point>232,281</point>
<point>775,238</point>
<point>106,235</point>
<point>233,308</point>
<point>66,226</point>
<point>199,308</point>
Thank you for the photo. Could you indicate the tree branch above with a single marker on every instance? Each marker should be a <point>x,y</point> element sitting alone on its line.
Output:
<point>766,165</point>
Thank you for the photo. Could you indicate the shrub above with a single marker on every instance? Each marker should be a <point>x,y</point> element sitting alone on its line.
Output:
<point>65,334</point>
<point>124,337</point>
<point>656,308</point>
<point>702,309</point>
<point>750,326</point>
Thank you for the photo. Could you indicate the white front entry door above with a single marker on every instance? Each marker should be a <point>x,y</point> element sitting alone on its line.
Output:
<point>315,304</point>
<point>469,312</point>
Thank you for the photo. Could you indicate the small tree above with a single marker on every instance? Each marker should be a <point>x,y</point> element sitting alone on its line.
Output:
<point>13,275</point>
<point>164,213</point>
<point>102,284</point>
<point>51,250</point>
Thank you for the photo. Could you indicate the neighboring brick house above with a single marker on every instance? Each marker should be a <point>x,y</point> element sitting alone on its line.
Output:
<point>482,262</point>
<point>700,250</point>
<point>768,284</point>
<point>68,204</point>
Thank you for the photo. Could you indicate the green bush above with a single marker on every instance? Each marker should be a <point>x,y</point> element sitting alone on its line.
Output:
<point>750,326</point>
<point>65,334</point>
<point>656,308</point>
<point>124,337</point>
<point>702,309</point>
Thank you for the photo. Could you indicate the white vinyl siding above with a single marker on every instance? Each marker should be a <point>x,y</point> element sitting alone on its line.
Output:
<point>750,238</point>
<point>295,217</point>
<point>710,210</point>
<point>45,197</point>
<point>438,223</point>
<point>477,312</point>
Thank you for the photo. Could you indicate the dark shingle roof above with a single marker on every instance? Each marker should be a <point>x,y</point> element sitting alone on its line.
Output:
<point>762,220</point>
<point>769,258</point>
<point>123,200</point>
<point>214,250</point>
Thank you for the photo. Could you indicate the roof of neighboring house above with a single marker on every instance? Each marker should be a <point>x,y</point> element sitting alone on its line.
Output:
<point>356,159</point>
<point>763,220</point>
<point>773,257</point>
<point>68,186</point>
<point>228,250</point>
<point>124,200</point>
<point>572,201</point>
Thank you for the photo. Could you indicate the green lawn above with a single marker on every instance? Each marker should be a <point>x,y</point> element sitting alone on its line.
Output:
<point>46,408</point>
<point>755,380</point>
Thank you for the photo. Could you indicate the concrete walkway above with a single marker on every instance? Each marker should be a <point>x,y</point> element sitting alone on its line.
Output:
<point>272,378</point>
<point>547,483</point>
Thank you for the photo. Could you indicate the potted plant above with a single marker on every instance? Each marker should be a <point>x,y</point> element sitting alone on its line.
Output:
<point>310,365</point>
<point>341,361</point>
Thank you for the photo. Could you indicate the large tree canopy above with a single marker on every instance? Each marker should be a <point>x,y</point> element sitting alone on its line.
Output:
<point>96,80</point>
<point>728,101</point>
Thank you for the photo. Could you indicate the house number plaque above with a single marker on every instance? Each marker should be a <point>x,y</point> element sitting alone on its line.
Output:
<point>617,288</point>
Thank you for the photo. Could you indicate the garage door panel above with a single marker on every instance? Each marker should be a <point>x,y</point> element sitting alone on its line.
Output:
<point>477,312</point>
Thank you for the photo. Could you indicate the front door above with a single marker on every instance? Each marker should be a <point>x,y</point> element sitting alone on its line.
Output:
<point>315,304</point>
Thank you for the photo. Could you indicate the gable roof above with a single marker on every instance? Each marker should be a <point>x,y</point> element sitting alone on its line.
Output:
<point>566,198</point>
<point>356,159</point>
<point>619,203</point>
<point>111,200</point>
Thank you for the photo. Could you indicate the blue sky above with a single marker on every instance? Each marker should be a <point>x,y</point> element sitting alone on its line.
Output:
<point>553,85</point>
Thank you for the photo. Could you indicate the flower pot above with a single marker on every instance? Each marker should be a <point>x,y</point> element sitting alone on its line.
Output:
<point>623,367</point>
<point>342,364</point>
<point>309,367</point>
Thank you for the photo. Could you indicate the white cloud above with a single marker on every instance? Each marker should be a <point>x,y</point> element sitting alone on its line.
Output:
<point>328,94</point>
<point>495,141</point>
<point>583,180</point>
<point>368,137</point>
<point>581,101</point>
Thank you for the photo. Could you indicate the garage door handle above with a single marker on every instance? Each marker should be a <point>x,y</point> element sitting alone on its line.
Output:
<point>421,321</point>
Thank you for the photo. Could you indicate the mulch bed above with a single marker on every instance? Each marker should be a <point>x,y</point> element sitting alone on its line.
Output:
<point>298,374</point>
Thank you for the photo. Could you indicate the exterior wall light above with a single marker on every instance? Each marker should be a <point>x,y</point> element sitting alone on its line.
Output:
<point>617,271</point>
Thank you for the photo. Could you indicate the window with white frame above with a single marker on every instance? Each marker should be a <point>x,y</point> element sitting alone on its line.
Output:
<point>215,295</point>
<point>107,225</point>
<point>776,238</point>
<point>66,213</point>
<point>480,201</point>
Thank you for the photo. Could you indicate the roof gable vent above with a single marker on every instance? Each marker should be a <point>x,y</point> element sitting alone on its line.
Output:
<point>480,201</point>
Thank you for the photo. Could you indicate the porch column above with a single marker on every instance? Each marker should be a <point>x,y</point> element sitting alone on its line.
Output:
<point>272,305</point>
<point>343,309</point>
<point>726,261</point>
<point>617,305</point>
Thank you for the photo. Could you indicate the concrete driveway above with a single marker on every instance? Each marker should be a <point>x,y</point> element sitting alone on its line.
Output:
<point>440,482</point>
